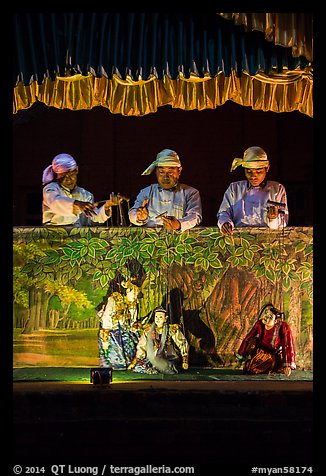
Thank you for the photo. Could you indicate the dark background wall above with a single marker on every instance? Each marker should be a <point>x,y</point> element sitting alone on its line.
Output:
<point>112,151</point>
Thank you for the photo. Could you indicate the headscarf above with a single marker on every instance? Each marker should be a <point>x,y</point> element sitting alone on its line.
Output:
<point>60,164</point>
<point>165,158</point>
<point>253,158</point>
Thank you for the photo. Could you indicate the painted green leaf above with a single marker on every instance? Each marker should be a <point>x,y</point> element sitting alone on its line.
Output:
<point>255,248</point>
<point>229,240</point>
<point>73,272</point>
<point>305,286</point>
<point>48,269</point>
<point>286,268</point>
<point>143,254</point>
<point>235,262</point>
<point>306,275</point>
<point>270,274</point>
<point>190,260</point>
<point>159,243</point>
<point>178,259</point>
<point>300,246</point>
<point>190,240</point>
<point>248,254</point>
<point>180,249</point>
<point>260,272</point>
<point>37,269</point>
<point>98,243</point>
<point>286,283</point>
<point>197,249</point>
<point>294,276</point>
<point>104,280</point>
<point>52,256</point>
<point>91,252</point>
<point>168,260</point>
<point>244,243</point>
<point>216,263</point>
<point>127,252</point>
<point>97,275</point>
<point>308,250</point>
<point>83,251</point>
<point>111,254</point>
<point>27,268</point>
<point>243,261</point>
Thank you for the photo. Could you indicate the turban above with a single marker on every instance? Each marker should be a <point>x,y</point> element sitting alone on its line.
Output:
<point>60,164</point>
<point>253,158</point>
<point>165,158</point>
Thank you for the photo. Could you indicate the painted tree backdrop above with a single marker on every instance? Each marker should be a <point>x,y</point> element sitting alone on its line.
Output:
<point>212,285</point>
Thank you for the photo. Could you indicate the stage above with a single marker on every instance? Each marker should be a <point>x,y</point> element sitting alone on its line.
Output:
<point>211,417</point>
<point>206,418</point>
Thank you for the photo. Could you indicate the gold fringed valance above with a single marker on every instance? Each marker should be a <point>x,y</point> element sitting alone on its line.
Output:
<point>285,92</point>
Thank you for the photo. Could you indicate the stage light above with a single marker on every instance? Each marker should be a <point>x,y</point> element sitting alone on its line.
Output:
<point>101,376</point>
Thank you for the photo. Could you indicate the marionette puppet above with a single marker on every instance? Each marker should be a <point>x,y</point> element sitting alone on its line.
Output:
<point>268,347</point>
<point>162,347</point>
<point>119,327</point>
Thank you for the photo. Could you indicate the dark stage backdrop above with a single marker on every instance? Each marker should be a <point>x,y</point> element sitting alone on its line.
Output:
<point>113,150</point>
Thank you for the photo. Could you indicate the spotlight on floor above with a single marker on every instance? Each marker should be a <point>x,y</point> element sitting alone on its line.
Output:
<point>101,376</point>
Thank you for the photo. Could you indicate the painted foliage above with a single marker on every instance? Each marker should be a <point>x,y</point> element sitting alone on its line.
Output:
<point>212,285</point>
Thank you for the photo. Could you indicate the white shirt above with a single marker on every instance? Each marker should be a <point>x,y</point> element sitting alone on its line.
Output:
<point>244,205</point>
<point>57,206</point>
<point>182,202</point>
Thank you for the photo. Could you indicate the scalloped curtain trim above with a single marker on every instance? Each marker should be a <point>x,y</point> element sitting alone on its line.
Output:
<point>277,92</point>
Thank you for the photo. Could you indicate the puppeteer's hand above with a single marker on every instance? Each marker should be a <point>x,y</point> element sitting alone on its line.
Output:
<point>86,208</point>
<point>171,223</point>
<point>227,229</point>
<point>142,211</point>
<point>272,212</point>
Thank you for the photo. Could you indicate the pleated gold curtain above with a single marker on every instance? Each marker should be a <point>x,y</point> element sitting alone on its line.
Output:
<point>291,30</point>
<point>284,91</point>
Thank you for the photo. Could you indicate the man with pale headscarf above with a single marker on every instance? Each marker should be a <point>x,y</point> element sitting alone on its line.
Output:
<point>167,203</point>
<point>64,203</point>
<point>255,202</point>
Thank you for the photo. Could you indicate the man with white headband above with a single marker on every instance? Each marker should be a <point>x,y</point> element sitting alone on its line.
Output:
<point>168,203</point>
<point>64,203</point>
<point>255,202</point>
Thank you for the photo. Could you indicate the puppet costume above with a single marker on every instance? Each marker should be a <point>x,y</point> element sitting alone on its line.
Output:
<point>119,332</point>
<point>268,350</point>
<point>159,353</point>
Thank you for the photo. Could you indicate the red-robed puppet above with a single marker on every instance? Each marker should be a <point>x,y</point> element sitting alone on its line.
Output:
<point>269,346</point>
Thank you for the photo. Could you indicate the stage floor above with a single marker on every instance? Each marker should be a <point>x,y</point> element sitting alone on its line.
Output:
<point>203,374</point>
<point>212,419</point>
